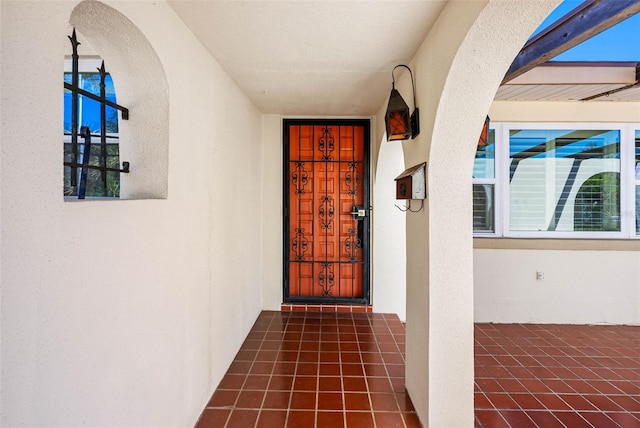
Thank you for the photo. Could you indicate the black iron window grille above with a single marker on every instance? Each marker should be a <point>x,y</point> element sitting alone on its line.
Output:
<point>89,172</point>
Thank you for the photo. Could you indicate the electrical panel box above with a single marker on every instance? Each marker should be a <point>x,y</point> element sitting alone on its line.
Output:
<point>412,183</point>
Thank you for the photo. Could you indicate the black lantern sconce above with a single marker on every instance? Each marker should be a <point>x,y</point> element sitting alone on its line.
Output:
<point>400,123</point>
<point>484,135</point>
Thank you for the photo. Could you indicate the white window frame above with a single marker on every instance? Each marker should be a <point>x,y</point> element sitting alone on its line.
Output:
<point>497,197</point>
<point>632,170</point>
<point>502,190</point>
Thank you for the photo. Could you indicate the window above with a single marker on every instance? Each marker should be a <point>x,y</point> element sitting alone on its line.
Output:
<point>98,184</point>
<point>91,168</point>
<point>484,184</point>
<point>637,175</point>
<point>558,181</point>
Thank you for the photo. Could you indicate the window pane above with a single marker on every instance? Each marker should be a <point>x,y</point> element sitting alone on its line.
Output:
<point>98,183</point>
<point>89,110</point>
<point>95,186</point>
<point>484,163</point>
<point>638,182</point>
<point>564,180</point>
<point>483,212</point>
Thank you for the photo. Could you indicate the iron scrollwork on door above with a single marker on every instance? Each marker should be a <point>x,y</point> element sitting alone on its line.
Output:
<point>352,178</point>
<point>326,144</point>
<point>353,244</point>
<point>300,178</point>
<point>300,244</point>
<point>326,279</point>
<point>326,212</point>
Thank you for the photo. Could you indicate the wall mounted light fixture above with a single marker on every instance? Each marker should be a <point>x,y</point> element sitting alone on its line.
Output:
<point>399,122</point>
<point>484,135</point>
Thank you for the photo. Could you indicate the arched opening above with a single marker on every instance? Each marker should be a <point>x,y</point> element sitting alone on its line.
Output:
<point>142,85</point>
<point>457,72</point>
<point>390,240</point>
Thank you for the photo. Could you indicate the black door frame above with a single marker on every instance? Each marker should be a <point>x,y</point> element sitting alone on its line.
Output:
<point>366,221</point>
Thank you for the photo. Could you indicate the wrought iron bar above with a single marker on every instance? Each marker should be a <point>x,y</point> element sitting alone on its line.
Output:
<point>86,154</point>
<point>103,127</point>
<point>74,104</point>
<point>98,135</point>
<point>124,110</point>
<point>125,167</point>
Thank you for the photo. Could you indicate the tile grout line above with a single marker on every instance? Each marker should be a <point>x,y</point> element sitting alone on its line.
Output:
<point>264,396</point>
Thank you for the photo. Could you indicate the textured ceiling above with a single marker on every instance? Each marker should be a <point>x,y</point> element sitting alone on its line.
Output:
<point>327,58</point>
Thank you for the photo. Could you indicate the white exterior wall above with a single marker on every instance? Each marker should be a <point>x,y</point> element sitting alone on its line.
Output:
<point>585,282</point>
<point>579,287</point>
<point>389,285</point>
<point>123,313</point>
<point>272,183</point>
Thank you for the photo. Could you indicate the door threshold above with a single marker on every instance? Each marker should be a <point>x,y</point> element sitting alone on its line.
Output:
<point>302,307</point>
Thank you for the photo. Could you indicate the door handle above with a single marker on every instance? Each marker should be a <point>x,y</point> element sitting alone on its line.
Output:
<point>358,213</point>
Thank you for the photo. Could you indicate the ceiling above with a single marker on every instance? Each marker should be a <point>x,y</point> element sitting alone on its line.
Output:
<point>334,58</point>
<point>316,58</point>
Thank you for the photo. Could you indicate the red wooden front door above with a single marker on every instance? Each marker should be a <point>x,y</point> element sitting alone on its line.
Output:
<point>326,211</point>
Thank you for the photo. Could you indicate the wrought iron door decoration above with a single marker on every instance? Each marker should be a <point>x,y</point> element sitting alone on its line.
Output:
<point>326,279</point>
<point>325,255</point>
<point>77,168</point>
<point>299,177</point>
<point>326,212</point>
<point>326,144</point>
<point>353,244</point>
<point>300,244</point>
<point>352,178</point>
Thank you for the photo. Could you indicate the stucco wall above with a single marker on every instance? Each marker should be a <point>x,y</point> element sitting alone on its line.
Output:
<point>272,205</point>
<point>123,313</point>
<point>389,234</point>
<point>579,287</point>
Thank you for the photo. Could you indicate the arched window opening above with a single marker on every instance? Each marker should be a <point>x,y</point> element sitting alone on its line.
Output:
<point>91,168</point>
<point>597,205</point>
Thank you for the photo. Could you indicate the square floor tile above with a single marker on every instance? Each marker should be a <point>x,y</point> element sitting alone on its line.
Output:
<point>303,400</point>
<point>276,400</point>
<point>356,401</point>
<point>223,398</point>
<point>330,401</point>
<point>301,419</point>
<point>213,418</point>
<point>241,418</point>
<point>272,419</point>
<point>388,420</point>
<point>359,419</point>
<point>384,402</point>
<point>330,419</point>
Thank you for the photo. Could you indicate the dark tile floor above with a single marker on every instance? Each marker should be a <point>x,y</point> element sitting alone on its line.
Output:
<point>328,369</point>
<point>316,369</point>
<point>530,375</point>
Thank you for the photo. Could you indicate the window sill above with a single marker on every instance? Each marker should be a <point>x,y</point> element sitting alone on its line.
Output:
<point>495,243</point>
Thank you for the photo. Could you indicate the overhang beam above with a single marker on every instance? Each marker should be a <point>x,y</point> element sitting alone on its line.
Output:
<point>585,21</point>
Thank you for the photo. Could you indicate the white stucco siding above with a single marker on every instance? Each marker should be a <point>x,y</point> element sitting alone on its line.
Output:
<point>578,287</point>
<point>123,313</point>
<point>389,240</point>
